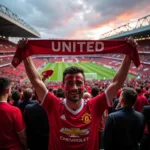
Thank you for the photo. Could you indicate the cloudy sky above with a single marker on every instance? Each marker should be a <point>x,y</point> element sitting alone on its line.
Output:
<point>78,19</point>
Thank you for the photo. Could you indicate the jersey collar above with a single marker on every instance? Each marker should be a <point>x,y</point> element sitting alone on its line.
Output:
<point>72,111</point>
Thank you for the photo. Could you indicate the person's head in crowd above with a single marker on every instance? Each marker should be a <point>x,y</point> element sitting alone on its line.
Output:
<point>138,90</point>
<point>15,96</point>
<point>146,88</point>
<point>141,87</point>
<point>60,93</point>
<point>5,88</point>
<point>55,92</point>
<point>27,94</point>
<point>87,96</point>
<point>101,90</point>
<point>127,97</point>
<point>50,89</point>
<point>34,96</point>
<point>73,83</point>
<point>20,90</point>
<point>94,91</point>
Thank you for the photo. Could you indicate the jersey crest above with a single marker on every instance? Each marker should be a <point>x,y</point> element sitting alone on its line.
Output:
<point>86,118</point>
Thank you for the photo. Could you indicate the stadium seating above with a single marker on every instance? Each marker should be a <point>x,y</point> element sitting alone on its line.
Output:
<point>18,75</point>
<point>144,45</point>
<point>109,60</point>
<point>5,59</point>
<point>83,59</point>
<point>7,46</point>
<point>56,59</point>
<point>70,60</point>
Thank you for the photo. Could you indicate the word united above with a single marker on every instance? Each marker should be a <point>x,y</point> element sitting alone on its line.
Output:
<point>77,46</point>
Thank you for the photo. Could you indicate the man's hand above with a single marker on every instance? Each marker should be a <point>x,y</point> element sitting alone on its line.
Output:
<point>22,43</point>
<point>131,41</point>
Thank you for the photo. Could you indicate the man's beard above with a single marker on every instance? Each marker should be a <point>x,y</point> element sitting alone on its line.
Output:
<point>72,99</point>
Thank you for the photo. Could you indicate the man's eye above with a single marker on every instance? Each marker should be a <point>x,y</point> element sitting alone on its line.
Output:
<point>69,83</point>
<point>79,83</point>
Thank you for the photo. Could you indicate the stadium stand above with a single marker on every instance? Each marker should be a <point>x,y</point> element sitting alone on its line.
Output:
<point>56,59</point>
<point>69,60</point>
<point>18,76</point>
<point>6,46</point>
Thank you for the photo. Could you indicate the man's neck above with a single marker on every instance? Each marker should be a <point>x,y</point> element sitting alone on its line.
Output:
<point>74,106</point>
<point>125,106</point>
<point>3,99</point>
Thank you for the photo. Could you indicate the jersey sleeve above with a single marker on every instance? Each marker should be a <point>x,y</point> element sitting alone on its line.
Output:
<point>19,124</point>
<point>100,103</point>
<point>49,102</point>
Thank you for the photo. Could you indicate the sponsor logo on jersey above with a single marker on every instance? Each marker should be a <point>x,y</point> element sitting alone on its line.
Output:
<point>74,132</point>
<point>86,118</point>
<point>79,140</point>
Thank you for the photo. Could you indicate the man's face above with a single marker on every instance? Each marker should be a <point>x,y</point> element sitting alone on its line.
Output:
<point>73,87</point>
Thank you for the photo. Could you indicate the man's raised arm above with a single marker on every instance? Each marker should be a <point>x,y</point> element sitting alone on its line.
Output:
<point>119,78</point>
<point>35,79</point>
<point>121,74</point>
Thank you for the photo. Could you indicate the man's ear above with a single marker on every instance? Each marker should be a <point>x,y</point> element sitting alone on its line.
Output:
<point>7,91</point>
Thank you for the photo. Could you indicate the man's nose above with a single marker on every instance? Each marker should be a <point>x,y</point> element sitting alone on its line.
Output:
<point>75,86</point>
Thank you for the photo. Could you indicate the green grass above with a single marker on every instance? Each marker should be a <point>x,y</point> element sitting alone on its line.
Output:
<point>102,72</point>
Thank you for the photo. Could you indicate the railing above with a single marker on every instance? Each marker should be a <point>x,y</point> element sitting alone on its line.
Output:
<point>13,16</point>
<point>129,27</point>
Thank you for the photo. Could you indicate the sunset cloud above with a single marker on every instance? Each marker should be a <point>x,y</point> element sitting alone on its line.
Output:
<point>79,19</point>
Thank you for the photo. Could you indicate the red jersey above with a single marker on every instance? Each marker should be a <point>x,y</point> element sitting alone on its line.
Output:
<point>141,101</point>
<point>74,130</point>
<point>11,122</point>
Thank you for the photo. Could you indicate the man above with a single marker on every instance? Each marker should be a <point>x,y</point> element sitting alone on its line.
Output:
<point>37,127</point>
<point>87,96</point>
<point>145,142</point>
<point>12,127</point>
<point>74,122</point>
<point>94,91</point>
<point>27,96</point>
<point>16,97</point>
<point>124,128</point>
<point>141,100</point>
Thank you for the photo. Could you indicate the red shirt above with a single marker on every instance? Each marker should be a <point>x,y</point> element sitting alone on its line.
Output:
<point>118,93</point>
<point>11,122</point>
<point>140,102</point>
<point>74,130</point>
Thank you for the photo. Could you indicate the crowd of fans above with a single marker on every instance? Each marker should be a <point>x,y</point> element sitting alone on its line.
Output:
<point>29,118</point>
<point>26,100</point>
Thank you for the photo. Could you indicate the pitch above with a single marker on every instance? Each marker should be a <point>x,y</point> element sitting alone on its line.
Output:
<point>89,67</point>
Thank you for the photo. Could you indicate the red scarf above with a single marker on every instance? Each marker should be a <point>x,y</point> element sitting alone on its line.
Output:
<point>75,47</point>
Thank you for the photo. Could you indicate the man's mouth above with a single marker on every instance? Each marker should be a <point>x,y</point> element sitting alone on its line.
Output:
<point>74,93</point>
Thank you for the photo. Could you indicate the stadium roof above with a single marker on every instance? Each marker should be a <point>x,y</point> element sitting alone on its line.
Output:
<point>12,26</point>
<point>139,29</point>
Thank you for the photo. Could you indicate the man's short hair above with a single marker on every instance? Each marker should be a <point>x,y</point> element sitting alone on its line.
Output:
<point>138,90</point>
<point>4,85</point>
<point>73,70</point>
<point>94,91</point>
<point>15,95</point>
<point>129,95</point>
<point>60,93</point>
<point>27,94</point>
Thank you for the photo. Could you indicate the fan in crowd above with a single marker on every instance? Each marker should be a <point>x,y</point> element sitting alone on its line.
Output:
<point>72,115</point>
<point>75,122</point>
